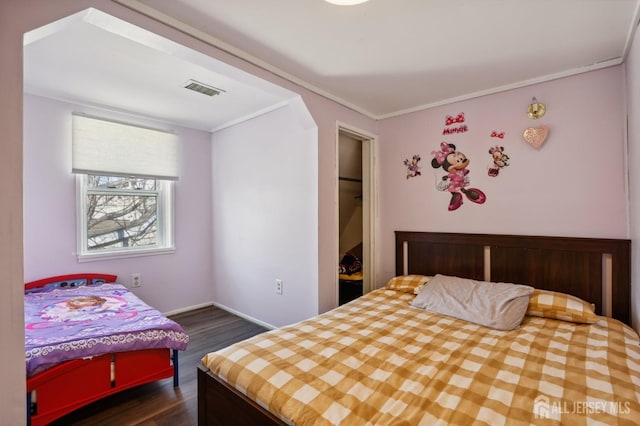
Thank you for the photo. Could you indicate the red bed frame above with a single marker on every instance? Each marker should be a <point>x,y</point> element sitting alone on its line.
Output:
<point>73,384</point>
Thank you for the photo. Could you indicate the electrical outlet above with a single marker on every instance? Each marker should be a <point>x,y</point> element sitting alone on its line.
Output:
<point>136,279</point>
<point>278,286</point>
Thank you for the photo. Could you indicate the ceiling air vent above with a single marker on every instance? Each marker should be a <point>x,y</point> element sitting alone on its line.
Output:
<point>205,89</point>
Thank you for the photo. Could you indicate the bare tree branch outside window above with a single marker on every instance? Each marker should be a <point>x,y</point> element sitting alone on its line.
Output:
<point>121,212</point>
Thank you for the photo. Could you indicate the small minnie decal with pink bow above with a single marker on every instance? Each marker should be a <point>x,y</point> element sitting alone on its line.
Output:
<point>413,169</point>
<point>457,180</point>
<point>500,159</point>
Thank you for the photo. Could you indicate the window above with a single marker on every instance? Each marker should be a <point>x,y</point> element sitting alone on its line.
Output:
<point>125,188</point>
<point>124,215</point>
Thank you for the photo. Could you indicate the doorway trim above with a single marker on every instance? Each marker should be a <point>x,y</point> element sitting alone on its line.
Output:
<point>369,200</point>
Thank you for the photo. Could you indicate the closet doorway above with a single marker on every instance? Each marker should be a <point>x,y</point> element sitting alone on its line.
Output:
<point>355,213</point>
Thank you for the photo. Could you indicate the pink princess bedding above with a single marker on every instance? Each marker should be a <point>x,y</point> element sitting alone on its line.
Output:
<point>62,324</point>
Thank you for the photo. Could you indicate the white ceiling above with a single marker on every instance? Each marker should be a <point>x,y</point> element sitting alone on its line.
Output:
<point>382,58</point>
<point>96,60</point>
<point>388,56</point>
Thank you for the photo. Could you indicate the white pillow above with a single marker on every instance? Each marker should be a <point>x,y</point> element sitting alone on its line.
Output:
<point>496,305</point>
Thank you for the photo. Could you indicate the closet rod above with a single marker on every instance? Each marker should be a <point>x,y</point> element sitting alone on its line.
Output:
<point>349,179</point>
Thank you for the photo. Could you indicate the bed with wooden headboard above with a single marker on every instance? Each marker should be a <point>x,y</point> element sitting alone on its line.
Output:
<point>593,269</point>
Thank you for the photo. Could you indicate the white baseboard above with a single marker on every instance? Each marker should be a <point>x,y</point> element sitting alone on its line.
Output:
<point>244,316</point>
<point>187,309</point>
<point>224,308</point>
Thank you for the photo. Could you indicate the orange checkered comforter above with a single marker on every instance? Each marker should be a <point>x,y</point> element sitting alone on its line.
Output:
<point>379,361</point>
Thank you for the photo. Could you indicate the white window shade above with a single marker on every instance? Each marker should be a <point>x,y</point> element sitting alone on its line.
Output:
<point>115,149</point>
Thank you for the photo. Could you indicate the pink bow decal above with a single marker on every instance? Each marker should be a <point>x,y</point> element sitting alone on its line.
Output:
<point>453,120</point>
<point>495,134</point>
<point>441,155</point>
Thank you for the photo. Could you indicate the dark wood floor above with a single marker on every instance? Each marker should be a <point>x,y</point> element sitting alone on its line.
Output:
<point>159,403</point>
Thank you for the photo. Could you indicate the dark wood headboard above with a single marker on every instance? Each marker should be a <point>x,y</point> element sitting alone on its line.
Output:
<point>583,267</point>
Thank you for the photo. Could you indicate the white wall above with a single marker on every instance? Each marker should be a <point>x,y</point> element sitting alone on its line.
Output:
<point>574,185</point>
<point>169,281</point>
<point>265,223</point>
<point>632,68</point>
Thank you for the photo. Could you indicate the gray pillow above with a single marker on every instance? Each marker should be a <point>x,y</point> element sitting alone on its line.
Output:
<point>496,305</point>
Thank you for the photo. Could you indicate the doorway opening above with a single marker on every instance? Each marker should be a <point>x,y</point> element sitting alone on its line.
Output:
<point>355,213</point>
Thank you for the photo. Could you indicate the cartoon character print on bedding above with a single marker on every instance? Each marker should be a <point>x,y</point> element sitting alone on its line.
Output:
<point>86,308</point>
<point>456,181</point>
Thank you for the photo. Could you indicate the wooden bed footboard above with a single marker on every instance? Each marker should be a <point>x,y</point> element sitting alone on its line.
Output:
<point>220,404</point>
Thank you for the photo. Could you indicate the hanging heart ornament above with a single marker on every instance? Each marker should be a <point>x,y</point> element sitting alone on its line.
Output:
<point>536,136</point>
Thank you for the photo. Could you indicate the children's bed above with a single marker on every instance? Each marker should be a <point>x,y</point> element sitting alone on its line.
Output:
<point>379,360</point>
<point>87,337</point>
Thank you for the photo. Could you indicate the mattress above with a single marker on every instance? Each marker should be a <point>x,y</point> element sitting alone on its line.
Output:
<point>378,360</point>
<point>62,324</point>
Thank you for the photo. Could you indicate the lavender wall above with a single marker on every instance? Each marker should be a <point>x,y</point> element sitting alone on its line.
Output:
<point>632,68</point>
<point>327,115</point>
<point>12,403</point>
<point>574,185</point>
<point>586,102</point>
<point>265,193</point>
<point>324,112</point>
<point>169,281</point>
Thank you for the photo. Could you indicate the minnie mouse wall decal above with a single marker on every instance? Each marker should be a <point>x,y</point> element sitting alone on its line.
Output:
<point>413,169</point>
<point>457,179</point>
<point>500,160</point>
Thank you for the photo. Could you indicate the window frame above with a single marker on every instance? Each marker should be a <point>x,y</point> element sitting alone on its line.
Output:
<point>165,227</point>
